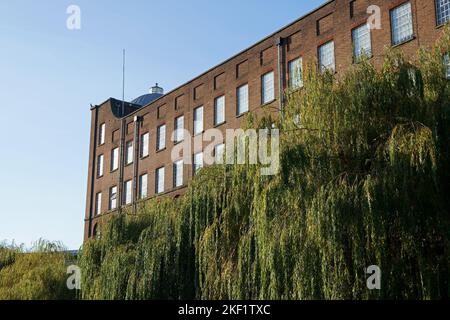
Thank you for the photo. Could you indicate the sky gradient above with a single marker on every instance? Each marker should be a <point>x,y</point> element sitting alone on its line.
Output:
<point>49,76</point>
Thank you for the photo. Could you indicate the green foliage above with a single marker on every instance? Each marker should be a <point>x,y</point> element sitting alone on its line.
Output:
<point>38,274</point>
<point>364,180</point>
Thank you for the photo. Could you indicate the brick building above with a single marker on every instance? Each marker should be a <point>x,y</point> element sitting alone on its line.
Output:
<point>130,148</point>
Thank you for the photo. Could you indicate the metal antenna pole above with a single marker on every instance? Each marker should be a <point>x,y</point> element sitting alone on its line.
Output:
<point>123,84</point>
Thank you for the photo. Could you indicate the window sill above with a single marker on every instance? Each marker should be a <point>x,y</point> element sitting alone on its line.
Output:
<point>404,42</point>
<point>220,124</point>
<point>242,114</point>
<point>161,150</point>
<point>145,157</point>
<point>267,103</point>
<point>178,188</point>
<point>199,134</point>
<point>178,142</point>
<point>128,164</point>
<point>358,61</point>
<point>113,171</point>
<point>294,90</point>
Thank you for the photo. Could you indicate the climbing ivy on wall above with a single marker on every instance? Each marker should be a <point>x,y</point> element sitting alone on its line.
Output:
<point>364,180</point>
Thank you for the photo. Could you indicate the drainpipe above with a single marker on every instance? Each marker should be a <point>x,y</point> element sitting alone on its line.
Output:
<point>121,164</point>
<point>136,145</point>
<point>280,45</point>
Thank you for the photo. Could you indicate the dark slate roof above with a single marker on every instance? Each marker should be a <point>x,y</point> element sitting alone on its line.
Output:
<point>146,99</point>
<point>116,108</point>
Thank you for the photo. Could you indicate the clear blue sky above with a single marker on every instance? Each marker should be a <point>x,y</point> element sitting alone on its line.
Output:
<point>50,75</point>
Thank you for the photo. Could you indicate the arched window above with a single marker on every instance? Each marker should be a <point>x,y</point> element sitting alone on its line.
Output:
<point>96,232</point>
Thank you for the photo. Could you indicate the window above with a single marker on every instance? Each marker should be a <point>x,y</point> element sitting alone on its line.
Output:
<point>447,65</point>
<point>161,111</point>
<point>115,135</point>
<point>179,129</point>
<point>144,144</point>
<point>98,203</point>
<point>296,73</point>
<point>101,134</point>
<point>352,8</point>
<point>326,57</point>
<point>113,198</point>
<point>268,89</point>
<point>219,153</point>
<point>100,166</point>
<point>401,24</point>
<point>127,192</point>
<point>96,232</point>
<point>198,162</point>
<point>362,43</point>
<point>143,186</point>
<point>198,120</point>
<point>129,153</point>
<point>130,128</point>
<point>178,174</point>
<point>159,180</point>
<point>161,138</point>
<point>242,99</point>
<point>219,110</point>
<point>115,159</point>
<point>443,11</point>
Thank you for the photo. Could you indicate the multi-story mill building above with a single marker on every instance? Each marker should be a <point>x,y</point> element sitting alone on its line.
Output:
<point>130,142</point>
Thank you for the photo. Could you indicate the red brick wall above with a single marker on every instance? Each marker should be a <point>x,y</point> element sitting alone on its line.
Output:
<point>333,21</point>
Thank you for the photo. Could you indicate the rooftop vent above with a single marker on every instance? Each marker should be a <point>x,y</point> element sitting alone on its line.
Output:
<point>155,93</point>
<point>157,89</point>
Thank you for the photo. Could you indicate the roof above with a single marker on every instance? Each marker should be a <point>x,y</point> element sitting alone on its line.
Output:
<point>147,98</point>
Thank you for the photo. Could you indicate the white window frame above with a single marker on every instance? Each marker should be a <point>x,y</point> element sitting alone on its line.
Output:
<point>129,152</point>
<point>242,99</point>
<point>161,137</point>
<point>327,57</point>
<point>402,28</point>
<point>101,134</point>
<point>179,129</point>
<point>362,42</point>
<point>100,165</point>
<point>145,145</point>
<point>197,163</point>
<point>295,68</point>
<point>219,153</point>
<point>160,180</point>
<point>143,186</point>
<point>128,192</point>
<point>219,110</point>
<point>268,87</point>
<point>112,198</point>
<point>198,120</point>
<point>442,12</point>
<point>178,172</point>
<point>114,159</point>
<point>98,203</point>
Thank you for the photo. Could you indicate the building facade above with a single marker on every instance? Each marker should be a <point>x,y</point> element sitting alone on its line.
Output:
<point>130,142</point>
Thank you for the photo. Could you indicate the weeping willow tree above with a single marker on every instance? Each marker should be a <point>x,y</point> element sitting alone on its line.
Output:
<point>35,274</point>
<point>364,180</point>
